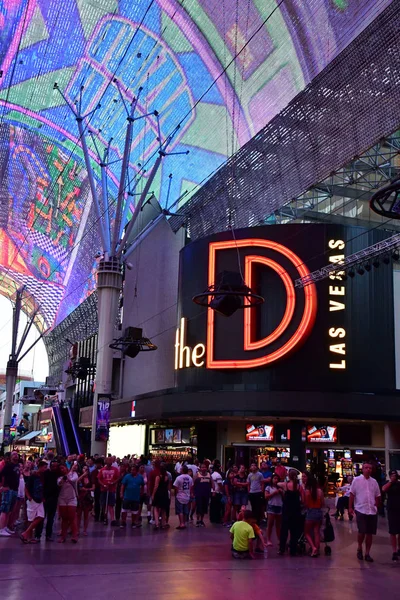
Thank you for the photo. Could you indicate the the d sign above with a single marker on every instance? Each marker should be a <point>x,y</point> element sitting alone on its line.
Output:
<point>307,319</point>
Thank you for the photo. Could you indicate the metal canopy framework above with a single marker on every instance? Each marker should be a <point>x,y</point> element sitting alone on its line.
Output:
<point>346,109</point>
<point>221,70</point>
<point>344,196</point>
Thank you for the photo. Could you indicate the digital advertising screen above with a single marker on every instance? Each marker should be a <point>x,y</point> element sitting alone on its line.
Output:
<point>102,54</point>
<point>262,433</point>
<point>325,434</point>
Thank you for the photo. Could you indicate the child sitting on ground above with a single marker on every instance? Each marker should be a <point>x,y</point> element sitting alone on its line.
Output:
<point>242,536</point>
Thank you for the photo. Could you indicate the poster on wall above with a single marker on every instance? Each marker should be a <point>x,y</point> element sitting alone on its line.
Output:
<point>260,433</point>
<point>169,436</point>
<point>160,436</point>
<point>322,434</point>
<point>103,417</point>
<point>177,436</point>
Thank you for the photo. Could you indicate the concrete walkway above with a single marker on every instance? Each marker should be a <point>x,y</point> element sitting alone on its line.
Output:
<point>116,564</point>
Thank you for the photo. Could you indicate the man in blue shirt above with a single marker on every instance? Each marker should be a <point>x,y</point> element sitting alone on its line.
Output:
<point>266,472</point>
<point>132,487</point>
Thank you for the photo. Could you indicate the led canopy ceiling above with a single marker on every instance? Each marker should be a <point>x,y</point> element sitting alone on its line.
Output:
<point>220,69</point>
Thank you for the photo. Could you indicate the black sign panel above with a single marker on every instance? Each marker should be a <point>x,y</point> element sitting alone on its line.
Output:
<point>348,345</point>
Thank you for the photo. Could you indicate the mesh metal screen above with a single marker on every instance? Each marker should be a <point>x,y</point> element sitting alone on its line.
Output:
<point>79,325</point>
<point>347,108</point>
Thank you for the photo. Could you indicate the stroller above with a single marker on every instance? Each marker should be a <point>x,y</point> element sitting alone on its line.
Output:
<point>328,536</point>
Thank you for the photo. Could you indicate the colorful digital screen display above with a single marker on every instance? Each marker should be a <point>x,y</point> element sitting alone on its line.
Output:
<point>221,71</point>
<point>324,434</point>
<point>103,418</point>
<point>262,433</point>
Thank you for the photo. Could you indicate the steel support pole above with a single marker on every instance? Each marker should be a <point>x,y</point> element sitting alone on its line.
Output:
<point>91,181</point>
<point>12,367</point>
<point>121,188</point>
<point>109,283</point>
<point>11,380</point>
<point>138,208</point>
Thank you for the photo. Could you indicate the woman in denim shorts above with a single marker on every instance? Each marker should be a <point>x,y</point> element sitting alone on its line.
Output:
<point>314,501</point>
<point>274,499</point>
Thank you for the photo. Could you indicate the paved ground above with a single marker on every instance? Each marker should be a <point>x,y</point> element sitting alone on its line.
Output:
<point>190,565</point>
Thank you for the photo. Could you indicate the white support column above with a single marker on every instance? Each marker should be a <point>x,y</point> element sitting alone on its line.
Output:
<point>109,283</point>
<point>11,380</point>
<point>388,445</point>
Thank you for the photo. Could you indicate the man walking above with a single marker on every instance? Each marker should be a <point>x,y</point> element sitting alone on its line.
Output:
<point>34,503</point>
<point>364,500</point>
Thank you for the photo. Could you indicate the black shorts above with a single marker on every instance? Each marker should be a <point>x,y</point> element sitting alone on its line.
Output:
<point>394,522</point>
<point>110,501</point>
<point>130,505</point>
<point>367,524</point>
<point>202,505</point>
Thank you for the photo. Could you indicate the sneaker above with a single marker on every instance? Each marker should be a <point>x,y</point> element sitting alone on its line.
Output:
<point>197,525</point>
<point>134,527</point>
<point>114,523</point>
<point>122,525</point>
<point>369,558</point>
<point>395,557</point>
<point>202,524</point>
<point>360,555</point>
<point>152,522</point>
<point>10,531</point>
<point>4,533</point>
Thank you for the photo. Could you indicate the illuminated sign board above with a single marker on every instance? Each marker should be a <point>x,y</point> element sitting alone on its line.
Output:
<point>262,433</point>
<point>325,434</point>
<point>187,357</point>
<point>322,336</point>
<point>337,305</point>
<point>308,315</point>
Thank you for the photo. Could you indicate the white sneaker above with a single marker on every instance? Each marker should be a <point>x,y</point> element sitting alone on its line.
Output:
<point>4,533</point>
<point>10,531</point>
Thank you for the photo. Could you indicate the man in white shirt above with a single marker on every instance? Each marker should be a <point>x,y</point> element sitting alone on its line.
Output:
<point>183,485</point>
<point>364,500</point>
<point>216,497</point>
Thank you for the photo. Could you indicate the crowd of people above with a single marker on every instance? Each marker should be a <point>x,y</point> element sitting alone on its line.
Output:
<point>263,506</point>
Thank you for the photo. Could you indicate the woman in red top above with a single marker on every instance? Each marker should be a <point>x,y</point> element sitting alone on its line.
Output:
<point>313,499</point>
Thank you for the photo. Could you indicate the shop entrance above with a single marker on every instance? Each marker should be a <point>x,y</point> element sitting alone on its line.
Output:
<point>245,455</point>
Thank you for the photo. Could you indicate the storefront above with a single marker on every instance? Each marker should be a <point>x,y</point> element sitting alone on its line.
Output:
<point>173,443</point>
<point>306,373</point>
<point>29,443</point>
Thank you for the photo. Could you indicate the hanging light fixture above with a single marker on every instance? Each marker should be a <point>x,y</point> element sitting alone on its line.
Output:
<point>133,342</point>
<point>386,201</point>
<point>228,294</point>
